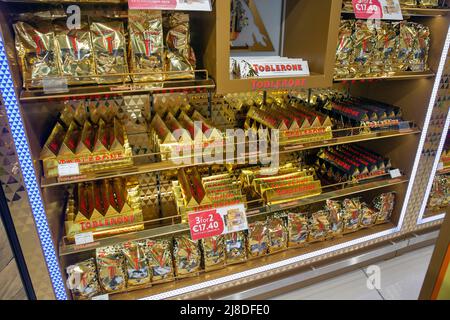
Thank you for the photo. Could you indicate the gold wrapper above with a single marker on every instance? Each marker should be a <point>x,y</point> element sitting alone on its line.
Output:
<point>108,40</point>
<point>344,49</point>
<point>54,142</point>
<point>386,47</point>
<point>187,257</point>
<point>235,247</point>
<point>180,57</point>
<point>428,3</point>
<point>368,216</point>
<point>214,252</point>
<point>277,234</point>
<point>408,3</point>
<point>257,239</point>
<point>385,205</point>
<point>75,53</point>
<point>136,266</point>
<point>159,259</point>
<point>351,215</point>
<point>110,264</point>
<point>82,280</point>
<point>146,45</point>
<point>336,223</point>
<point>364,41</point>
<point>419,56</point>
<point>297,229</point>
<point>319,226</point>
<point>408,35</point>
<point>36,51</point>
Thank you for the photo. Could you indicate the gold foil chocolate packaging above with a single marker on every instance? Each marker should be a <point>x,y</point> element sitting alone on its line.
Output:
<point>385,205</point>
<point>159,258</point>
<point>36,51</point>
<point>181,56</point>
<point>187,256</point>
<point>344,49</point>
<point>82,279</point>
<point>257,239</point>
<point>363,47</point>
<point>110,264</point>
<point>351,214</point>
<point>75,53</point>
<point>138,273</point>
<point>146,44</point>
<point>297,229</point>
<point>235,247</point>
<point>277,234</point>
<point>108,40</point>
<point>213,252</point>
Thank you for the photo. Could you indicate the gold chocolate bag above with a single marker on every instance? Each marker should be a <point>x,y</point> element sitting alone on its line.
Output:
<point>108,40</point>
<point>257,240</point>
<point>364,41</point>
<point>146,45</point>
<point>36,51</point>
<point>181,56</point>
<point>235,247</point>
<point>297,229</point>
<point>82,279</point>
<point>136,264</point>
<point>159,259</point>
<point>277,234</point>
<point>187,256</point>
<point>214,252</point>
<point>110,264</point>
<point>344,49</point>
<point>75,54</point>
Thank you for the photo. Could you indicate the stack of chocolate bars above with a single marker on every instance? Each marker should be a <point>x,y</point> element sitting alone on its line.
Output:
<point>105,208</point>
<point>194,193</point>
<point>286,184</point>
<point>182,128</point>
<point>94,142</point>
<point>296,123</point>
<point>350,163</point>
<point>366,113</point>
<point>96,52</point>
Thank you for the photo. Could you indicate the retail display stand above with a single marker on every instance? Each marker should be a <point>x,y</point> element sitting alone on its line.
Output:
<point>37,202</point>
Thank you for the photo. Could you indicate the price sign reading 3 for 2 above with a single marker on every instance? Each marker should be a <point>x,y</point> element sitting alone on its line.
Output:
<point>218,221</point>
<point>377,9</point>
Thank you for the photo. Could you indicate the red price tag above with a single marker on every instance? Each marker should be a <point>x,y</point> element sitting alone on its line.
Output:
<point>367,9</point>
<point>205,224</point>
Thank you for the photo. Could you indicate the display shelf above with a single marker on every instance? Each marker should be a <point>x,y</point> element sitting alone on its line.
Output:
<point>416,12</point>
<point>120,89</point>
<point>318,47</point>
<point>246,267</point>
<point>187,162</point>
<point>69,249</point>
<point>407,75</point>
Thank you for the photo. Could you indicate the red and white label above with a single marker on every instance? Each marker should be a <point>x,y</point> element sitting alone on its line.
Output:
<point>377,9</point>
<point>215,222</point>
<point>198,5</point>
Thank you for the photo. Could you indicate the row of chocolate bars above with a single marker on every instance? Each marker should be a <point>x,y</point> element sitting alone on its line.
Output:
<point>96,52</point>
<point>366,48</point>
<point>98,140</point>
<point>139,264</point>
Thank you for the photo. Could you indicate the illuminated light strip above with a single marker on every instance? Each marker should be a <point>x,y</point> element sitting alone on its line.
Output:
<point>432,219</point>
<point>420,219</point>
<point>272,266</point>
<point>29,175</point>
<point>431,105</point>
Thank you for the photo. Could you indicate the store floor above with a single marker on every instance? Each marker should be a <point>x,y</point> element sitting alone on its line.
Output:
<point>401,279</point>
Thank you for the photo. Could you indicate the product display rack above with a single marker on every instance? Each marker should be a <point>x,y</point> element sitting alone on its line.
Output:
<point>23,115</point>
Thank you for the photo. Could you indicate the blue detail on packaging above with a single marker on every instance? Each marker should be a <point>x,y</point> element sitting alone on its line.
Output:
<point>29,176</point>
